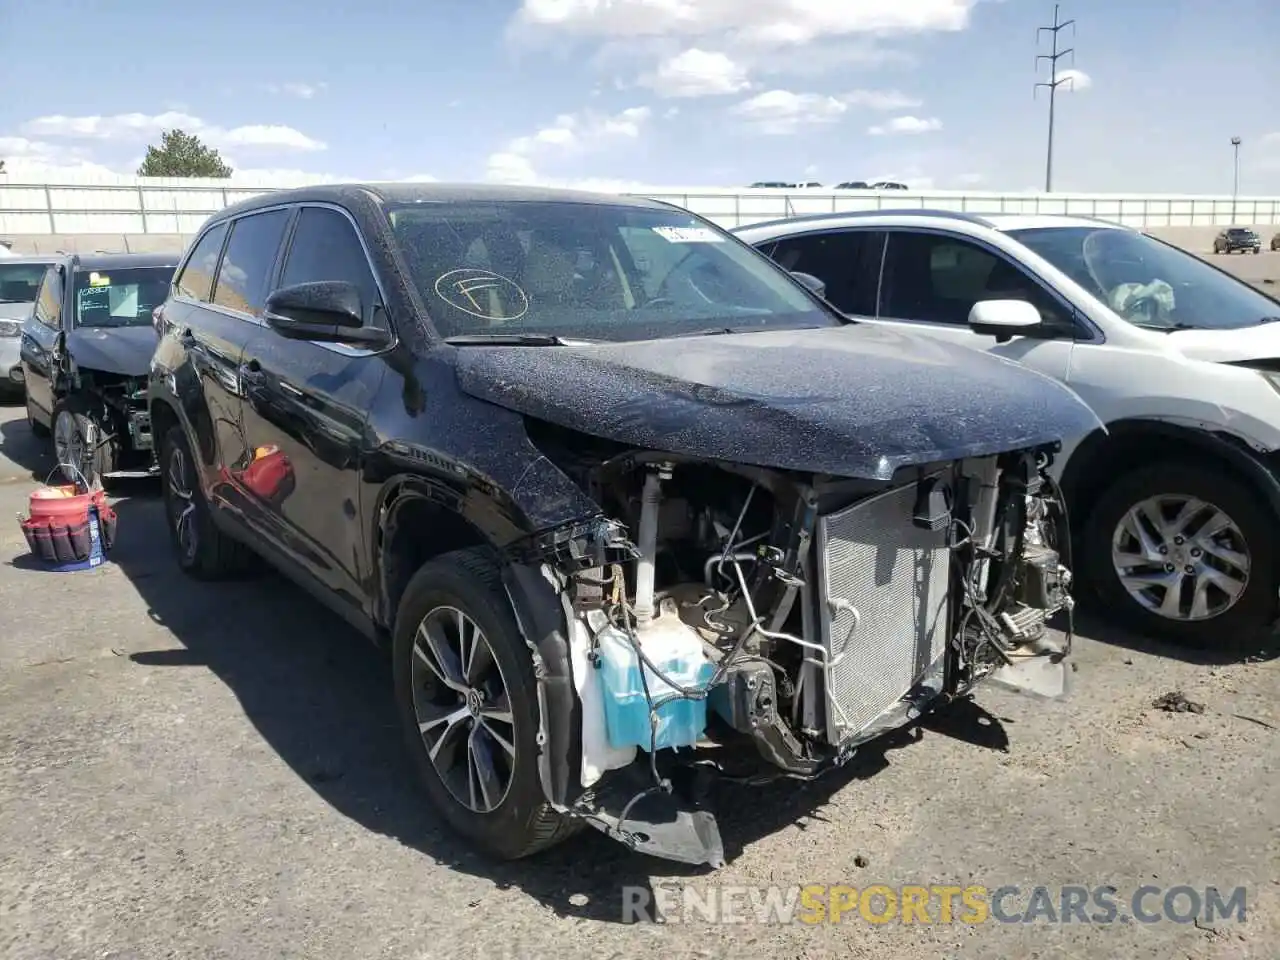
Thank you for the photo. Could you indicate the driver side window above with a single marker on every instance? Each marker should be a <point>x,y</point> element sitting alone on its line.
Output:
<point>934,278</point>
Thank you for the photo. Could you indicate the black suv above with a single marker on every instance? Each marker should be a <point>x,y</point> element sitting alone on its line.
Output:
<point>536,439</point>
<point>1237,238</point>
<point>85,351</point>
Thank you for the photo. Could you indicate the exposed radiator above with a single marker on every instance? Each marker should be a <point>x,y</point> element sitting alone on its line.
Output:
<point>895,576</point>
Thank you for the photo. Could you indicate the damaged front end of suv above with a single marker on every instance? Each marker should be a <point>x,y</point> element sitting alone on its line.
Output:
<point>772,581</point>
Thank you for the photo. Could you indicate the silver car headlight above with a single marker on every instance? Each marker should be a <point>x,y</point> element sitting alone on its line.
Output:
<point>10,328</point>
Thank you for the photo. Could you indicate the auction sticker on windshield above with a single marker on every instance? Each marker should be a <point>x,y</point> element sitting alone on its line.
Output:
<point>688,235</point>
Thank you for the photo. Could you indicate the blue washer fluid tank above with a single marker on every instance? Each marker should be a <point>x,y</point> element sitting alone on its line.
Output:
<point>675,649</point>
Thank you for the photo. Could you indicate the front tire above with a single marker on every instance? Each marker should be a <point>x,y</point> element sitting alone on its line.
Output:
<point>1184,552</point>
<point>202,550</point>
<point>79,445</point>
<point>467,700</point>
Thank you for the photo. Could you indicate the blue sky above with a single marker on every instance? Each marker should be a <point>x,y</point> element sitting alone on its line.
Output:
<point>617,93</point>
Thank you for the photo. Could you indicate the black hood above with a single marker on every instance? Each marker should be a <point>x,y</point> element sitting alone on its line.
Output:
<point>854,401</point>
<point>124,350</point>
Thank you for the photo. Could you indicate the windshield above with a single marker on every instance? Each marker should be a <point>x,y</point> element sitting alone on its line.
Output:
<point>1150,283</point>
<point>20,281</point>
<point>591,271</point>
<point>120,298</point>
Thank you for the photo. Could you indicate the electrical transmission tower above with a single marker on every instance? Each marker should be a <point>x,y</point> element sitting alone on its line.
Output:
<point>1055,81</point>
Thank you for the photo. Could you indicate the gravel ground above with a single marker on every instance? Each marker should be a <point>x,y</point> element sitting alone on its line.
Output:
<point>193,770</point>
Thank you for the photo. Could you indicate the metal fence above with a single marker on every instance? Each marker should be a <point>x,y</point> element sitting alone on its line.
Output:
<point>169,206</point>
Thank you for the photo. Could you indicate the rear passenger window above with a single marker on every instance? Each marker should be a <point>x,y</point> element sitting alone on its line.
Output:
<point>847,261</point>
<point>196,279</point>
<point>249,261</point>
<point>326,247</point>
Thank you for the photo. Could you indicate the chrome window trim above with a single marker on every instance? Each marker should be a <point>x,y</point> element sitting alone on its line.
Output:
<point>342,349</point>
<point>1088,331</point>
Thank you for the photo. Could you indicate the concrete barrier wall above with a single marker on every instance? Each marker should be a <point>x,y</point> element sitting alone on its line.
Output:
<point>1194,239</point>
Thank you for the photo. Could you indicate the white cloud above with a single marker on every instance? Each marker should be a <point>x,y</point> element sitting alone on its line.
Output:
<point>766,22</point>
<point>1273,137</point>
<point>264,135</point>
<point>568,134</point>
<point>881,100</point>
<point>780,112</point>
<point>303,91</point>
<point>1073,80</point>
<point>906,125</point>
<point>970,179</point>
<point>141,126</point>
<point>697,73</point>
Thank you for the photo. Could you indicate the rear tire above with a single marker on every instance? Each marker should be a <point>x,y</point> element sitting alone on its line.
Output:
<point>1248,537</point>
<point>203,551</point>
<point>518,821</point>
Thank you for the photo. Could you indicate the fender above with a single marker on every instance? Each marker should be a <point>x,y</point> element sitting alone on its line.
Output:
<point>542,612</point>
<point>1092,454</point>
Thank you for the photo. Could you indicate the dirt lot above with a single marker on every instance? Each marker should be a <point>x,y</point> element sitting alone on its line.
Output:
<point>213,771</point>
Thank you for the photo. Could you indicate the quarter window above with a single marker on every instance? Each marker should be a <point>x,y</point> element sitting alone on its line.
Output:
<point>249,261</point>
<point>326,247</point>
<point>196,279</point>
<point>937,279</point>
<point>847,261</point>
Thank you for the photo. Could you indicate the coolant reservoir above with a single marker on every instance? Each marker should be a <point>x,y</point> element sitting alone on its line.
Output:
<point>676,650</point>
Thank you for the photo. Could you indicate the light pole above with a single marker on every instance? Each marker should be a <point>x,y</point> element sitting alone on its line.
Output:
<point>1235,179</point>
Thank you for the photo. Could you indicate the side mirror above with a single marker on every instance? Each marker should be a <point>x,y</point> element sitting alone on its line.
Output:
<point>326,310</point>
<point>815,285</point>
<point>1004,319</point>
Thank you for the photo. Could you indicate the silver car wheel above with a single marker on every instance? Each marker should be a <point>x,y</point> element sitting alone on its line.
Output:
<point>68,444</point>
<point>1181,557</point>
<point>463,713</point>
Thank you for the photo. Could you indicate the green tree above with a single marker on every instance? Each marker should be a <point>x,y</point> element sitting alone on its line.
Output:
<point>181,154</point>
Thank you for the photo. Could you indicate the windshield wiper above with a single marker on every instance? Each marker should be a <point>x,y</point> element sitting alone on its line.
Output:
<point>505,340</point>
<point>1166,328</point>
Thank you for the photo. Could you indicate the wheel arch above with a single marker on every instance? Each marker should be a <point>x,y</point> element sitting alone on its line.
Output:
<point>1129,444</point>
<point>419,519</point>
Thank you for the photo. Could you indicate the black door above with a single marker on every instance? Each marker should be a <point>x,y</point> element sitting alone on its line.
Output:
<point>215,309</point>
<point>41,346</point>
<point>306,405</point>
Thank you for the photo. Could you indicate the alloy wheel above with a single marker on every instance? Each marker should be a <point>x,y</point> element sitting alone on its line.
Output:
<point>181,503</point>
<point>68,444</point>
<point>1181,557</point>
<point>462,709</point>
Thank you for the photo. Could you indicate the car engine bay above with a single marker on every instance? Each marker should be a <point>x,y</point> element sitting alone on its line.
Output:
<point>768,623</point>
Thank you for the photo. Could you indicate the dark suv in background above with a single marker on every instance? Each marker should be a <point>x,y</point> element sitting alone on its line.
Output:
<point>535,438</point>
<point>86,350</point>
<point>1237,238</point>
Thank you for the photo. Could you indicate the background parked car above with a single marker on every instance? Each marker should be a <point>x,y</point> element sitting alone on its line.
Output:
<point>1275,242</point>
<point>19,280</point>
<point>1237,238</point>
<point>1176,509</point>
<point>888,185</point>
<point>86,351</point>
<point>853,185</point>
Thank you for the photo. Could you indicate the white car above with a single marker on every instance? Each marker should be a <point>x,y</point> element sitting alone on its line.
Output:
<point>1175,507</point>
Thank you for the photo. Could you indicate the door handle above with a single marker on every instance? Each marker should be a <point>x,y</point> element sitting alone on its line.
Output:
<point>290,389</point>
